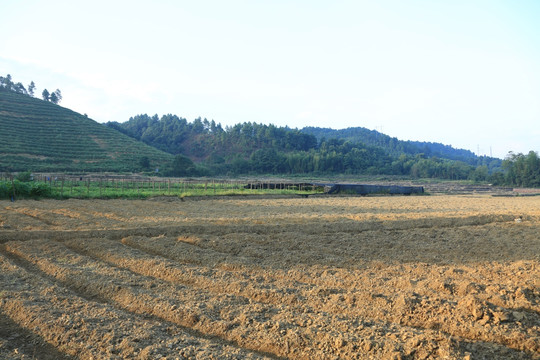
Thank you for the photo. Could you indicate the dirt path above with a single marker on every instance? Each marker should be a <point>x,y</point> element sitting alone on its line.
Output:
<point>347,278</point>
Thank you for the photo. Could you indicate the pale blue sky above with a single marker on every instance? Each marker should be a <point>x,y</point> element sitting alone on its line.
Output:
<point>464,73</point>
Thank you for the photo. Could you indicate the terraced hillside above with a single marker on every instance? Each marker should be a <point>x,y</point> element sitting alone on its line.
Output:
<point>442,277</point>
<point>37,135</point>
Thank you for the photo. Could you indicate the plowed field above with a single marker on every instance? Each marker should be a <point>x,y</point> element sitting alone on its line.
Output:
<point>427,277</point>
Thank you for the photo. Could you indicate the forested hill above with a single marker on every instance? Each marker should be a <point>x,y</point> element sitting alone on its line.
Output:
<point>258,148</point>
<point>394,146</point>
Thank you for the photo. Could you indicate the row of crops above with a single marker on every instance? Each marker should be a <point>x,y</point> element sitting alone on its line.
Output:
<point>41,136</point>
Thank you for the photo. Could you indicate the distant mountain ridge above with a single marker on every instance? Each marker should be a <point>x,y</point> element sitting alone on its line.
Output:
<point>37,135</point>
<point>392,145</point>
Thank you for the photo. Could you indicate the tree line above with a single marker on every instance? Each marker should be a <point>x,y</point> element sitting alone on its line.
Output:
<point>204,147</point>
<point>7,83</point>
<point>520,170</point>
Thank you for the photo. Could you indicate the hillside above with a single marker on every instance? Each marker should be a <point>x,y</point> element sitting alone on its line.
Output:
<point>37,135</point>
<point>394,146</point>
<point>252,148</point>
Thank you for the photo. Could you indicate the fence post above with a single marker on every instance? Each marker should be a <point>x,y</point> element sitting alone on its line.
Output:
<point>13,187</point>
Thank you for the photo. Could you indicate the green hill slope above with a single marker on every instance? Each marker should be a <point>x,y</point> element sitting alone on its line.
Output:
<point>396,147</point>
<point>37,135</point>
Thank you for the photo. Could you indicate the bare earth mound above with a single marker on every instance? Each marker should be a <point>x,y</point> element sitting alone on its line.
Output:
<point>455,277</point>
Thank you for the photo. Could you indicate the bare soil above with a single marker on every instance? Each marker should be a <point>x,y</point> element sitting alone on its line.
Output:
<point>412,277</point>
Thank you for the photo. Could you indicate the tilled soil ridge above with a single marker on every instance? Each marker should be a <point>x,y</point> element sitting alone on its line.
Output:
<point>359,278</point>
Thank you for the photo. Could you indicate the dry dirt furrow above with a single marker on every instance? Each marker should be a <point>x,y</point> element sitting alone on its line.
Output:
<point>336,247</point>
<point>74,326</point>
<point>462,315</point>
<point>441,277</point>
<point>291,211</point>
<point>113,289</point>
<point>488,281</point>
<point>299,333</point>
<point>52,218</point>
<point>17,342</point>
<point>426,277</point>
<point>248,283</point>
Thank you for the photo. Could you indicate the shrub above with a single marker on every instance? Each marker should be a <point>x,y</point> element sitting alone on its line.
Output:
<point>24,189</point>
<point>39,189</point>
<point>6,190</point>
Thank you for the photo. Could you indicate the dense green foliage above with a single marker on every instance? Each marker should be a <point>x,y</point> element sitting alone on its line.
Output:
<point>202,139</point>
<point>521,170</point>
<point>38,135</point>
<point>252,148</point>
<point>395,147</point>
<point>23,189</point>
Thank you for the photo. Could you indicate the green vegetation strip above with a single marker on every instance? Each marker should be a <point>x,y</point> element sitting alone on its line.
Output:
<point>135,189</point>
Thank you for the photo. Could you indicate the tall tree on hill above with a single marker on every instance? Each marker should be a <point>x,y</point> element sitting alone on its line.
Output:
<point>58,94</point>
<point>45,95</point>
<point>53,98</point>
<point>31,88</point>
<point>6,82</point>
<point>19,88</point>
